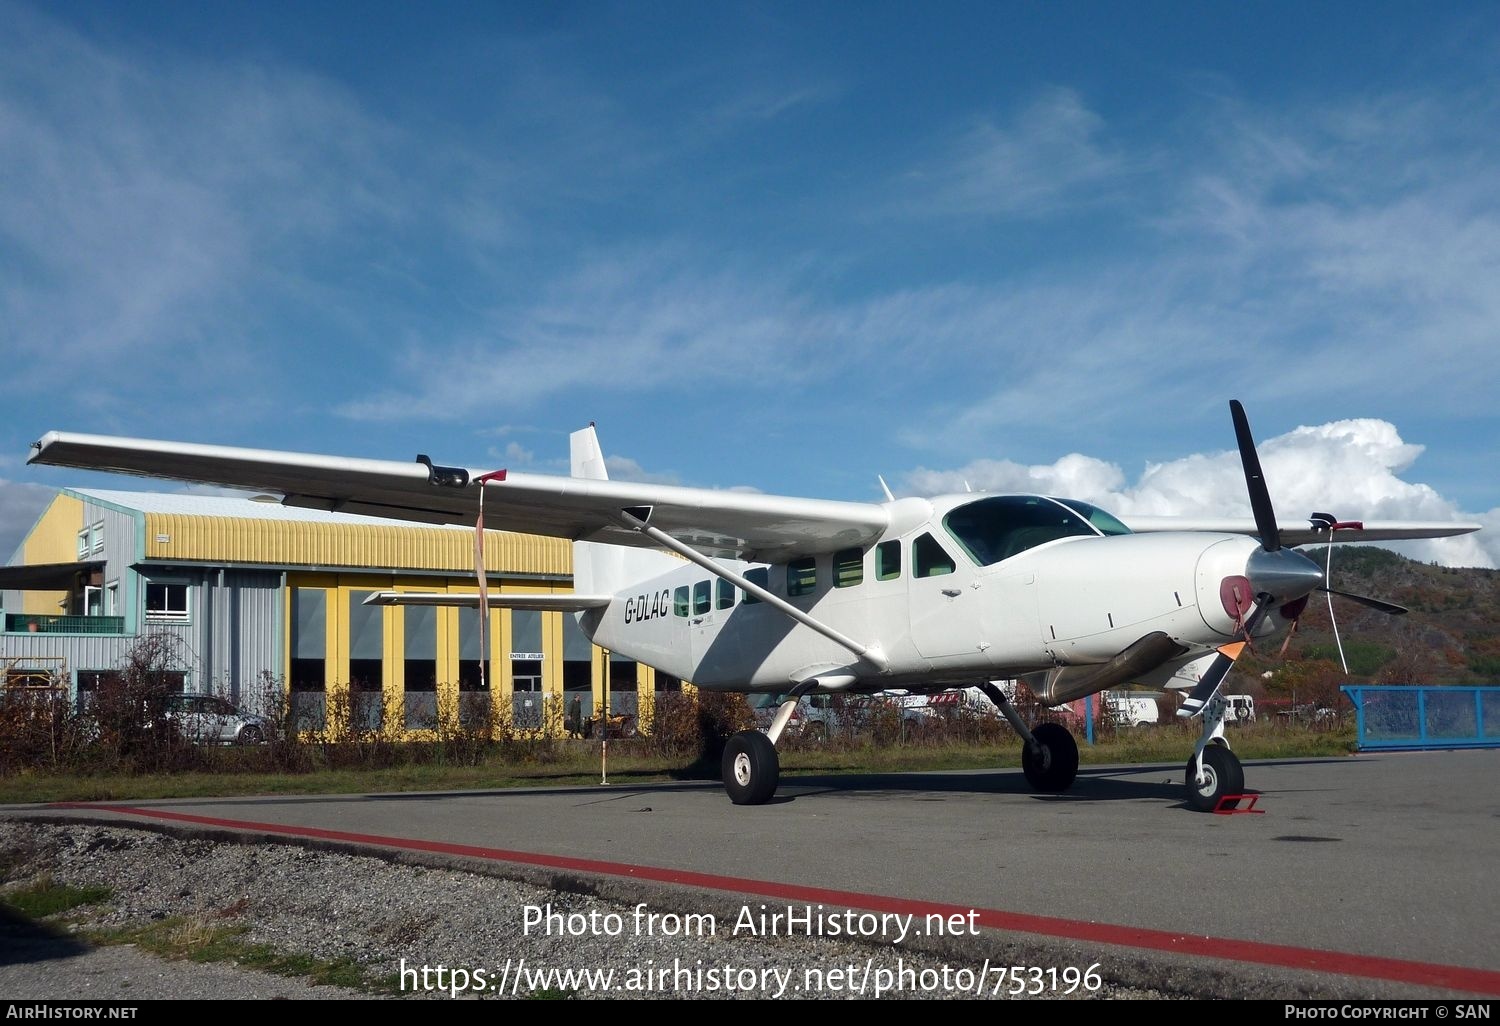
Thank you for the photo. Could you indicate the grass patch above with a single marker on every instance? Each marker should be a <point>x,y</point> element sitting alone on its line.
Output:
<point>195,941</point>
<point>45,898</point>
<point>577,763</point>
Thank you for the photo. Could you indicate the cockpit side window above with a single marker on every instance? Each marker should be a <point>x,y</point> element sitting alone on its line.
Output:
<point>929,558</point>
<point>1002,526</point>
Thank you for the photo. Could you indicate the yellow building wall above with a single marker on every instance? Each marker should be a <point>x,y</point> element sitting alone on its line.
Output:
<point>54,539</point>
<point>239,540</point>
<point>338,590</point>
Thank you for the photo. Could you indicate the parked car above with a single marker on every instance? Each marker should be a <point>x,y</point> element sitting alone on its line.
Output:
<point>209,720</point>
<point>1241,709</point>
<point>820,717</point>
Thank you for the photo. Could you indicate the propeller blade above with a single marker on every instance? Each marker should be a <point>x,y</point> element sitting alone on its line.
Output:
<point>1193,704</point>
<point>1365,600</point>
<point>1255,481</point>
<point>1217,670</point>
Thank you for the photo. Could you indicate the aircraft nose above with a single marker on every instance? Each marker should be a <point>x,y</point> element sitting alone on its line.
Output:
<point>1285,575</point>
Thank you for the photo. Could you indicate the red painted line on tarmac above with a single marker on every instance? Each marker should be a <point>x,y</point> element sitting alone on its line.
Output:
<point>1427,974</point>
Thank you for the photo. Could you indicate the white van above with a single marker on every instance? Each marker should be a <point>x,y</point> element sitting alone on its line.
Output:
<point>1241,709</point>
<point>1130,710</point>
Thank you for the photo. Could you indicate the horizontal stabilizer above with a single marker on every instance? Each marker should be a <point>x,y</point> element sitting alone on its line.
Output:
<point>503,600</point>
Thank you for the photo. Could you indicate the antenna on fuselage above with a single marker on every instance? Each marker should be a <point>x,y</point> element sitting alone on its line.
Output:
<point>885,488</point>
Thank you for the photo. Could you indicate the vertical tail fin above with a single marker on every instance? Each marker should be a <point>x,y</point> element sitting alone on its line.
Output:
<point>600,569</point>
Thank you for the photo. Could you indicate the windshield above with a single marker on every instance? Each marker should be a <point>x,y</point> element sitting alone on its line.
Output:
<point>1001,526</point>
<point>1105,522</point>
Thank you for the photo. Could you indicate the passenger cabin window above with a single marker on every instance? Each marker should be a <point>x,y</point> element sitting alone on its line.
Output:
<point>929,559</point>
<point>848,568</point>
<point>702,596</point>
<point>1002,526</point>
<point>759,576</point>
<point>680,601</point>
<point>724,596</point>
<point>801,576</point>
<point>888,561</point>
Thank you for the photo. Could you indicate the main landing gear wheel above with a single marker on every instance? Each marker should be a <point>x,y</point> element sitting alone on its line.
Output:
<point>751,768</point>
<point>1051,769</point>
<point>1222,774</point>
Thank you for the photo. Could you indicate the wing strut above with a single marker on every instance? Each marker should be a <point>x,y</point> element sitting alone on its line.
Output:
<point>871,654</point>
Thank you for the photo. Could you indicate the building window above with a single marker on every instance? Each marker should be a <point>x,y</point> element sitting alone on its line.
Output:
<point>366,663</point>
<point>471,654</point>
<point>166,602</point>
<point>91,540</point>
<point>112,598</point>
<point>309,653</point>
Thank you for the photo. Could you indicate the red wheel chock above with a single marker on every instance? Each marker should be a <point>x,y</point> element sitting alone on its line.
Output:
<point>1232,801</point>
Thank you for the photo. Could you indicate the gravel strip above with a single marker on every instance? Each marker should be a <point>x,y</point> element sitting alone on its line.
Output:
<point>386,915</point>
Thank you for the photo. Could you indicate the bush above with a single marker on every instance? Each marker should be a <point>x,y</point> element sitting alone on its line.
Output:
<point>132,731</point>
<point>40,729</point>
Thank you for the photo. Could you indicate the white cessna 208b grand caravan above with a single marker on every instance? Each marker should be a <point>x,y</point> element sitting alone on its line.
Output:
<point>781,595</point>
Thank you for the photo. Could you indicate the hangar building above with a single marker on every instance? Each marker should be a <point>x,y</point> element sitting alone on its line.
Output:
<point>253,591</point>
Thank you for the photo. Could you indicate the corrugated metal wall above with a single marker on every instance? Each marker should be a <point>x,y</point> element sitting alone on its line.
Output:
<point>121,543</point>
<point>256,624</point>
<point>177,536</point>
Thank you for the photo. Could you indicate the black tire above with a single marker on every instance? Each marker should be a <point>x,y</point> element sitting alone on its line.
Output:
<point>750,768</point>
<point>1052,769</point>
<point>1222,775</point>
<point>252,735</point>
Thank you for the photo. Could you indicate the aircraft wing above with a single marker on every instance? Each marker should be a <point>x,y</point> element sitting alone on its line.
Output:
<point>1301,532</point>
<point>746,525</point>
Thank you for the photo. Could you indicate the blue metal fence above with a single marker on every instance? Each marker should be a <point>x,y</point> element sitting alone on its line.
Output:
<point>1416,716</point>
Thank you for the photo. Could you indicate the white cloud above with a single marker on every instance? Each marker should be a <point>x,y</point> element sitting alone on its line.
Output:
<point>623,468</point>
<point>1048,154</point>
<point>1352,469</point>
<point>621,323</point>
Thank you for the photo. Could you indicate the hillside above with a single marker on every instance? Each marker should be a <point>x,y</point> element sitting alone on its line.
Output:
<point>1451,635</point>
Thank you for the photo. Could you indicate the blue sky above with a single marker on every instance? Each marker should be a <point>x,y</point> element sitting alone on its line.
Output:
<point>776,246</point>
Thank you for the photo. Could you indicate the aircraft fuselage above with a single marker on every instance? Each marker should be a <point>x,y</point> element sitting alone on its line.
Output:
<point>944,600</point>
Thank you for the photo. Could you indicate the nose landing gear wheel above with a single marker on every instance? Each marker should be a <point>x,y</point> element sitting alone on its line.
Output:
<point>750,768</point>
<point>1052,767</point>
<point>1222,774</point>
